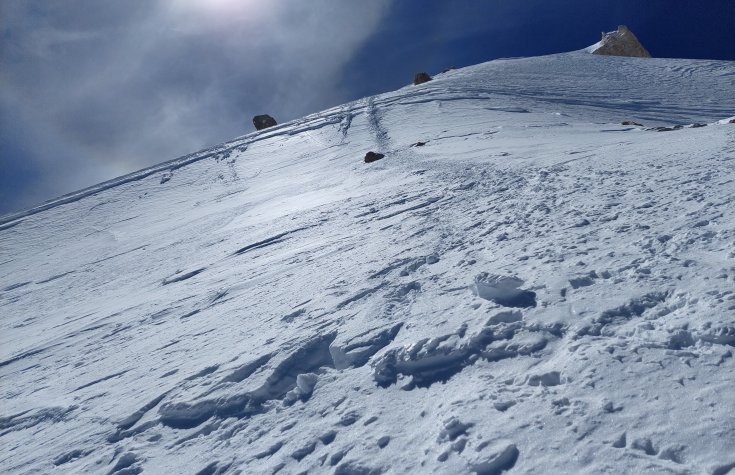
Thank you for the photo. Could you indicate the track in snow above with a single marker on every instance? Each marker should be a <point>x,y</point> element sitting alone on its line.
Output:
<point>535,288</point>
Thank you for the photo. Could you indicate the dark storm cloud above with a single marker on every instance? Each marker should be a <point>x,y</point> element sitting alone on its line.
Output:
<point>90,90</point>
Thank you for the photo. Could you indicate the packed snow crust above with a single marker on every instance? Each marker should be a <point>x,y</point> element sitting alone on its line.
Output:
<point>537,289</point>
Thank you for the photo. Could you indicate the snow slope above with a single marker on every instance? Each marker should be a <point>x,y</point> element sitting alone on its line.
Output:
<point>537,289</point>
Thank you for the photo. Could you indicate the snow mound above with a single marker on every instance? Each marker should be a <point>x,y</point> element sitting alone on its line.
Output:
<point>503,290</point>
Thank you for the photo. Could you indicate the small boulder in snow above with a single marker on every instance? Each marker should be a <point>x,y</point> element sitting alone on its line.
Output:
<point>373,157</point>
<point>421,78</point>
<point>263,121</point>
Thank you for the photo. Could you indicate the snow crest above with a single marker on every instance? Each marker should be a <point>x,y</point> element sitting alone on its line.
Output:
<point>538,277</point>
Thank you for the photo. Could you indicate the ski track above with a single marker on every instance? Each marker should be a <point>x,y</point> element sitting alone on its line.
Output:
<point>536,288</point>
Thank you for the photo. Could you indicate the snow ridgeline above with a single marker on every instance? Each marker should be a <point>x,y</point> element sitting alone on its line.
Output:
<point>536,289</point>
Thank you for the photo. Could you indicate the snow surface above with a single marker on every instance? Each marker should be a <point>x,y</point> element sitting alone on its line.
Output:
<point>537,289</point>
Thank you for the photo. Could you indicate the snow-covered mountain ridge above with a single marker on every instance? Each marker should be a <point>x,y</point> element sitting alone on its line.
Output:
<point>536,289</point>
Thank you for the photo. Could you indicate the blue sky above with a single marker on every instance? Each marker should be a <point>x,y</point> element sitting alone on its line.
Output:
<point>90,90</point>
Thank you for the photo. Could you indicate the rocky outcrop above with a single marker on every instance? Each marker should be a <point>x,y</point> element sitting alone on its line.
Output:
<point>621,42</point>
<point>421,78</point>
<point>263,121</point>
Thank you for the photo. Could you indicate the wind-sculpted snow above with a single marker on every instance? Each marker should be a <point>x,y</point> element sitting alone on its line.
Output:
<point>437,359</point>
<point>503,290</point>
<point>536,288</point>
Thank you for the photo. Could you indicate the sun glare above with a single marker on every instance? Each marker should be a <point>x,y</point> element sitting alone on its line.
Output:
<point>222,13</point>
<point>222,6</point>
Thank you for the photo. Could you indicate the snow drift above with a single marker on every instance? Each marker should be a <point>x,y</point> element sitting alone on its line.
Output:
<point>536,289</point>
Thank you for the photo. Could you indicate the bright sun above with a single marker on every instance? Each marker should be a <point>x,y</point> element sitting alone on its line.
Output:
<point>224,12</point>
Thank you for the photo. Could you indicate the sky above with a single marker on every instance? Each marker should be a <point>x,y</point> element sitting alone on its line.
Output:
<point>91,90</point>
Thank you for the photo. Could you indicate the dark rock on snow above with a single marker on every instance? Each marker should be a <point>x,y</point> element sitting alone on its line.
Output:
<point>666,129</point>
<point>631,122</point>
<point>421,78</point>
<point>373,157</point>
<point>263,121</point>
